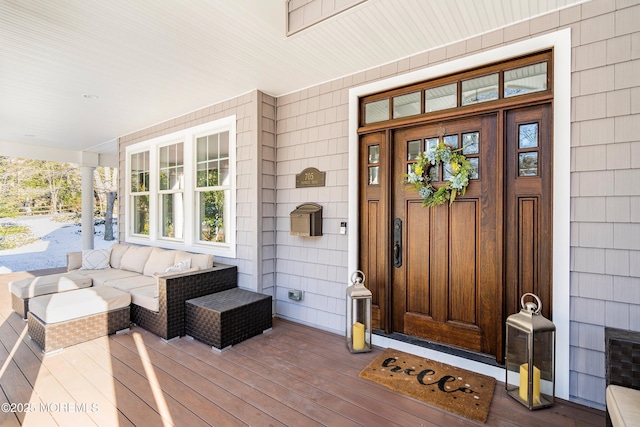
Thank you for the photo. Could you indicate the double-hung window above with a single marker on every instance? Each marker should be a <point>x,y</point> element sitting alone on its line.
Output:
<point>139,190</point>
<point>171,191</point>
<point>181,189</point>
<point>213,186</point>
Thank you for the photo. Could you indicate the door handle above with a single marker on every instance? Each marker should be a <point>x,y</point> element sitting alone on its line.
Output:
<point>397,242</point>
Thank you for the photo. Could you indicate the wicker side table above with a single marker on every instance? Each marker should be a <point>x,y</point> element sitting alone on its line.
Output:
<point>228,317</point>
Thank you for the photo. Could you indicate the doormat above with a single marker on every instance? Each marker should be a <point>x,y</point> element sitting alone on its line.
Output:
<point>454,389</point>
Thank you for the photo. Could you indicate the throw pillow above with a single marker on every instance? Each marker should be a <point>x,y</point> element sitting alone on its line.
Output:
<point>95,259</point>
<point>181,266</point>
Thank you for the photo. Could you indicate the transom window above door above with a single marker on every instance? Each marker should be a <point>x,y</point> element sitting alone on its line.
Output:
<point>483,86</point>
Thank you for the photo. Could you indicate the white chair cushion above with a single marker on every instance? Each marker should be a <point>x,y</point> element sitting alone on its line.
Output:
<point>35,286</point>
<point>95,259</point>
<point>623,404</point>
<point>128,283</point>
<point>159,260</point>
<point>197,260</point>
<point>102,277</point>
<point>65,306</point>
<point>146,296</point>
<point>135,258</point>
<point>74,260</point>
<point>117,252</point>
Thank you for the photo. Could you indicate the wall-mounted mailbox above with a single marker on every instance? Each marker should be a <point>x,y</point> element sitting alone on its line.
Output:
<point>306,220</point>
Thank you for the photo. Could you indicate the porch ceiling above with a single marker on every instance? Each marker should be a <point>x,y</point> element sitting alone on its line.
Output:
<point>149,61</point>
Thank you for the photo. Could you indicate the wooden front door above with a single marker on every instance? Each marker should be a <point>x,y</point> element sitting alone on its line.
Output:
<point>447,283</point>
<point>453,273</point>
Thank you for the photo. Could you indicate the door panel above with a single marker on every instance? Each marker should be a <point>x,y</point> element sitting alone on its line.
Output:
<point>529,207</point>
<point>442,292</point>
<point>463,263</point>
<point>374,229</point>
<point>417,252</point>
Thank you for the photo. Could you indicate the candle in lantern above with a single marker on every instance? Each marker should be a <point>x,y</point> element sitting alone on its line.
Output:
<point>358,336</point>
<point>524,383</point>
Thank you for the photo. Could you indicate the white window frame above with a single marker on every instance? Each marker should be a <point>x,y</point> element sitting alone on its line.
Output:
<point>132,194</point>
<point>220,187</point>
<point>191,241</point>
<point>171,192</point>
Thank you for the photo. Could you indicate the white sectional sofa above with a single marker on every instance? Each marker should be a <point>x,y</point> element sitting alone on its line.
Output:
<point>136,269</point>
<point>158,282</point>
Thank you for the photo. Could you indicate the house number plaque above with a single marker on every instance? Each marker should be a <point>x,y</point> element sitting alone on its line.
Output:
<point>310,177</point>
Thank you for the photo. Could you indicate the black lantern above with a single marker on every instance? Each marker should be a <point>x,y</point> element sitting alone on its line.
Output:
<point>530,356</point>
<point>358,315</point>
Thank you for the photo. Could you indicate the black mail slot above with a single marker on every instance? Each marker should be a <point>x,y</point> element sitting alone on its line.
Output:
<point>306,220</point>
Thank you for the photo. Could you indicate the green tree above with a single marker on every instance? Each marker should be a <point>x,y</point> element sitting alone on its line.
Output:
<point>59,181</point>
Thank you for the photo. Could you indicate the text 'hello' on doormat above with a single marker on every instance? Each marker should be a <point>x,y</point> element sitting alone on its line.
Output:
<point>454,389</point>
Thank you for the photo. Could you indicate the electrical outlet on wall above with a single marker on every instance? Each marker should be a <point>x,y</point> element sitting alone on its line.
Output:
<point>295,294</point>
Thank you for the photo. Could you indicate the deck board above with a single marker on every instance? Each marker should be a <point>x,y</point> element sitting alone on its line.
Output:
<point>291,375</point>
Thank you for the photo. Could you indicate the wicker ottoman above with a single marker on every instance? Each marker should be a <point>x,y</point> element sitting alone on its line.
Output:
<point>228,317</point>
<point>59,320</point>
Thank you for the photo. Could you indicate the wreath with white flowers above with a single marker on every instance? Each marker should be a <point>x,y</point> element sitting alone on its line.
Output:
<point>454,163</point>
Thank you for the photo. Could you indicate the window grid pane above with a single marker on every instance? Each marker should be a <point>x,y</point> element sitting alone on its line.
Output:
<point>430,144</point>
<point>171,167</point>
<point>480,89</point>
<point>141,215</point>
<point>376,111</point>
<point>406,105</point>
<point>528,144</point>
<point>441,98</point>
<point>213,160</point>
<point>532,78</point>
<point>140,172</point>
<point>212,215</point>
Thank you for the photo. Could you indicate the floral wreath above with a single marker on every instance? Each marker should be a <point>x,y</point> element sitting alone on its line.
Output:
<point>455,163</point>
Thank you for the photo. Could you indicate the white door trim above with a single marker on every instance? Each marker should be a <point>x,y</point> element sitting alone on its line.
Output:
<point>560,41</point>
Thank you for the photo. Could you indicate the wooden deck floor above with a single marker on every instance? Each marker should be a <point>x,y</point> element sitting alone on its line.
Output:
<point>292,375</point>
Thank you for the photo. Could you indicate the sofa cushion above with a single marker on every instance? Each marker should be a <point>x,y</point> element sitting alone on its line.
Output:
<point>95,259</point>
<point>622,404</point>
<point>146,296</point>
<point>159,261</point>
<point>128,283</point>
<point>117,252</point>
<point>197,260</point>
<point>135,258</point>
<point>35,286</point>
<point>100,277</point>
<point>54,308</point>
<point>74,260</point>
